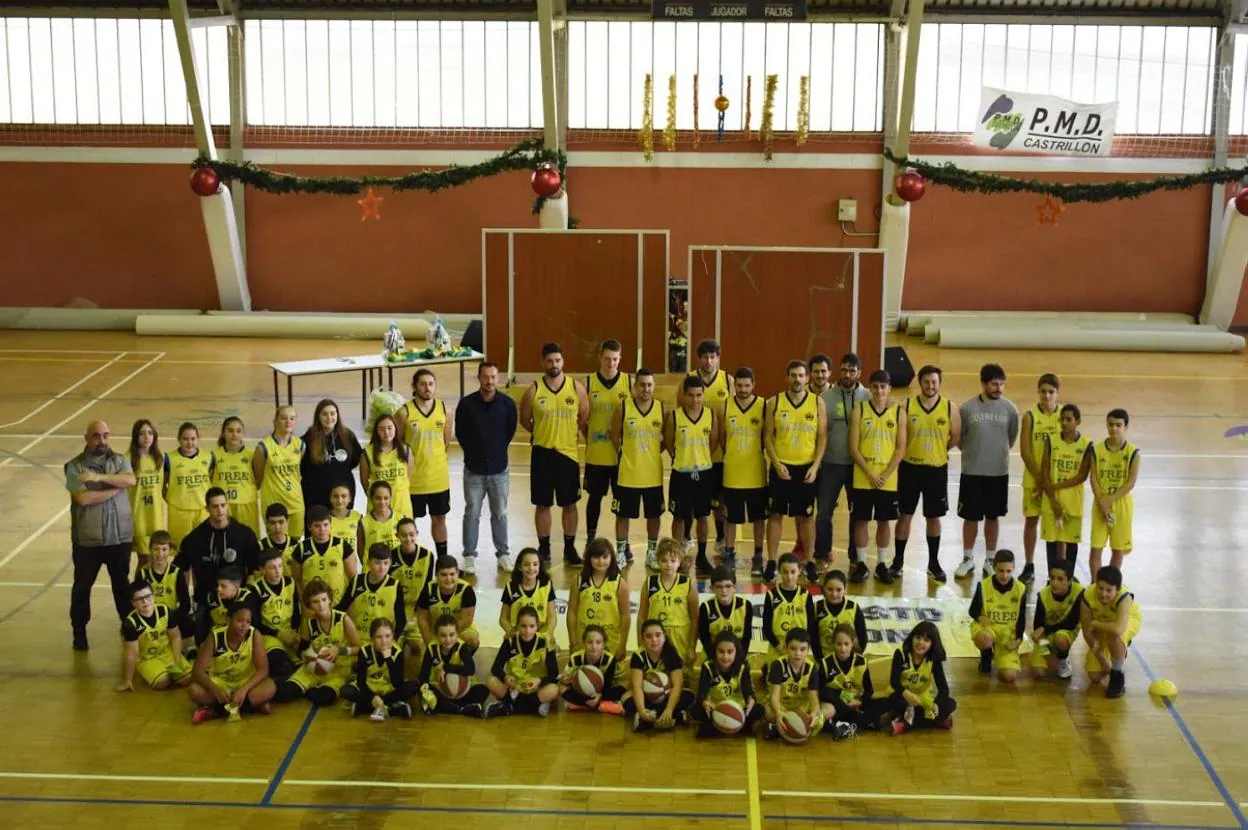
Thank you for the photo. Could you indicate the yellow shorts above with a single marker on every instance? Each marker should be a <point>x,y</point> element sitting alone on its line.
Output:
<point>1002,657</point>
<point>231,688</point>
<point>182,522</point>
<point>470,633</point>
<point>248,513</point>
<point>1033,495</point>
<point>1070,531</point>
<point>1093,663</point>
<point>272,643</point>
<point>153,669</point>
<point>1118,536</point>
<point>306,679</point>
<point>1040,654</point>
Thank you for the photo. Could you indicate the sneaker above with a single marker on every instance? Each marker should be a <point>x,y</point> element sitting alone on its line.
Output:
<point>756,567</point>
<point>896,567</point>
<point>947,721</point>
<point>908,716</point>
<point>681,718</point>
<point>379,714</point>
<point>985,662</point>
<point>965,568</point>
<point>719,547</point>
<point>470,565</point>
<point>628,556</point>
<point>473,710</point>
<point>497,709</point>
<point>728,560</point>
<point>858,572</point>
<point>1028,575</point>
<point>812,573</point>
<point>263,709</point>
<point>1117,684</point>
<point>80,640</point>
<point>544,555</point>
<point>577,707</point>
<point>610,707</point>
<point>571,558</point>
<point>883,574</point>
<point>771,733</point>
<point>936,574</point>
<point>1064,670</point>
<point>505,563</point>
<point>621,559</point>
<point>652,558</point>
<point>204,713</point>
<point>401,709</point>
<point>843,731</point>
<point>703,567</point>
<point>543,710</point>
<point>899,727</point>
<point>986,570</point>
<point>428,700</point>
<point>769,571</point>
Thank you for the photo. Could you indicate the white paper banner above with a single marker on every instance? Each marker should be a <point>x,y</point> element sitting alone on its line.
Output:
<point>1024,123</point>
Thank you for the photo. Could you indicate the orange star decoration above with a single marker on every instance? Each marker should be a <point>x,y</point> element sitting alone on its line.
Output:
<point>371,205</point>
<point>1048,211</point>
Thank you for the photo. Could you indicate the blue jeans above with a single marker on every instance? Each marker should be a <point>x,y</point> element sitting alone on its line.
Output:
<point>476,488</point>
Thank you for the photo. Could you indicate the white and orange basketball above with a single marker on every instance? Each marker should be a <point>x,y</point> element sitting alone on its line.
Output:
<point>795,726</point>
<point>454,686</point>
<point>318,664</point>
<point>656,685</point>
<point>728,717</point>
<point>589,681</point>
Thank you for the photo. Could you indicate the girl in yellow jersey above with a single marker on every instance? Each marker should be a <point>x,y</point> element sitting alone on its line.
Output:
<point>275,464</point>
<point>413,566</point>
<point>848,695</point>
<point>1115,470</point>
<point>654,658</point>
<point>233,472</point>
<point>529,587</point>
<point>380,524</point>
<point>344,521</point>
<point>147,501</point>
<point>1066,459</point>
<point>601,598</point>
<point>671,597</point>
<point>326,634</point>
<point>725,677</point>
<point>877,443</point>
<point>920,697</point>
<point>833,610</point>
<point>1056,622</point>
<point>232,670</point>
<point>525,673</point>
<point>380,687</point>
<point>1110,618</point>
<point>592,653</point>
<point>1040,424</point>
<point>188,475</point>
<point>390,460</point>
<point>999,619</point>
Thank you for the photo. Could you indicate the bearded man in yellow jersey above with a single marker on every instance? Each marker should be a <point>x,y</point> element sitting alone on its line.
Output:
<point>933,427</point>
<point>745,469</point>
<point>637,433</point>
<point>690,436</point>
<point>1040,423</point>
<point>608,388</point>
<point>554,410</point>
<point>424,424</point>
<point>795,436</point>
<point>877,442</point>
<point>718,389</point>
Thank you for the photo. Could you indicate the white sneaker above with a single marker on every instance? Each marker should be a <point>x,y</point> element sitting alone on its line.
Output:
<point>965,568</point>
<point>470,565</point>
<point>1064,670</point>
<point>378,715</point>
<point>621,559</point>
<point>504,563</point>
<point>987,570</point>
<point>652,558</point>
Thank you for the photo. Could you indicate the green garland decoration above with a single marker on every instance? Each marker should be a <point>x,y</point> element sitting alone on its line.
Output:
<point>526,155</point>
<point>968,181</point>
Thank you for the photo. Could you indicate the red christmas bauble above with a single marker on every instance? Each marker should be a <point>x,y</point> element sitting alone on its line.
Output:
<point>1241,201</point>
<point>546,181</point>
<point>911,186</point>
<point>205,181</point>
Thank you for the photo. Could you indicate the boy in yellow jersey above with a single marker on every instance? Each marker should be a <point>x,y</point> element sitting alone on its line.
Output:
<point>231,673</point>
<point>787,606</point>
<point>877,442</point>
<point>637,434</point>
<point>725,610</point>
<point>744,492</point>
<point>933,427</point>
<point>321,556</point>
<point>999,619</point>
<point>592,653</point>
<point>326,635</point>
<point>794,680</point>
<point>153,644</point>
<point>1115,470</point>
<point>449,595</point>
<point>1065,462</point>
<point>1110,619</point>
<point>215,611</point>
<point>375,593</point>
<point>554,410</point>
<point>671,597</point>
<point>217,544</point>
<point>607,389</point>
<point>277,537</point>
<point>380,687</point>
<point>275,465</point>
<point>169,587</point>
<point>1039,423</point>
<point>424,422</point>
<point>691,436</point>
<point>188,475</point>
<point>1056,623</point>
<point>412,564</point>
<point>232,471</point>
<point>719,387</point>
<point>795,433</point>
<point>147,502</point>
<point>278,614</point>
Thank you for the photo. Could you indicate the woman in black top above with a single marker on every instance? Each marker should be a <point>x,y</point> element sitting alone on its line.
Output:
<point>331,452</point>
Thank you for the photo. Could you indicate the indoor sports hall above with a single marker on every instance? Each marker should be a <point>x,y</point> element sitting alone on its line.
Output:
<point>224,212</point>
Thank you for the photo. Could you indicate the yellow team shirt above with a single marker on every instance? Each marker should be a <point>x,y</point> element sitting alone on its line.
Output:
<point>327,566</point>
<point>346,527</point>
<point>928,432</point>
<point>426,436</point>
<point>189,479</point>
<point>379,530</point>
<point>795,684</point>
<point>715,395</point>
<point>845,677</point>
<point>440,605</point>
<point>1056,610</point>
<point>723,686</point>
<point>377,675</point>
<point>599,605</point>
<point>530,665</point>
<point>692,440</point>
<point>827,623</point>
<point>1044,425</point>
<point>289,549</point>
<point>745,464</point>
<point>391,469</point>
<point>641,446</point>
<point>797,426</point>
<point>231,471</point>
<point>670,606</point>
<point>147,506</point>
<point>282,479</point>
<point>556,417</point>
<point>333,636</point>
<point>1109,613</point>
<point>164,586</point>
<point>917,677</point>
<point>717,621</point>
<point>153,634</point>
<point>415,573</point>
<point>1065,459</point>
<point>277,605</point>
<point>877,441</point>
<point>230,666</point>
<point>1001,608</point>
<point>605,399</point>
<point>371,602</point>
<point>1113,466</point>
<point>786,613</point>
<point>537,598</point>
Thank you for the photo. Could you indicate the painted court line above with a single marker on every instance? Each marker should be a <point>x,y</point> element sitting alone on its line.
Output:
<point>63,393</point>
<point>290,756</point>
<point>138,779</point>
<point>751,764</point>
<point>1005,799</point>
<point>549,788</point>
<point>32,537</point>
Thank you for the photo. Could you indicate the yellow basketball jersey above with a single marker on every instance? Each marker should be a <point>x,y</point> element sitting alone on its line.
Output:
<point>692,439</point>
<point>434,657</point>
<point>670,606</point>
<point>1065,459</point>
<point>795,683</point>
<point>147,506</point>
<point>537,598</point>
<point>827,622</point>
<point>928,432</point>
<point>379,530</point>
<point>717,621</point>
<point>327,566</point>
<point>745,465</point>
<point>605,399</point>
<point>1056,610</point>
<point>526,666</point>
<point>917,677</point>
<point>1001,609</point>
<point>289,549</point>
<point>845,676</point>
<point>426,437</point>
<point>372,602</point>
<point>277,604</point>
<point>1113,466</point>
<point>556,416</point>
<point>440,604</point>
<point>282,478</point>
<point>724,686</point>
<point>189,479</point>
<point>415,573</point>
<point>346,527</point>
<point>164,586</point>
<point>1043,426</point>
<point>232,666</point>
<point>333,636</point>
<point>797,427</point>
<point>377,673</point>
<point>391,469</point>
<point>641,446</point>
<point>787,613</point>
<point>715,395</point>
<point>231,471</point>
<point>599,605</point>
<point>1109,613</point>
<point>877,441</point>
<point>153,634</point>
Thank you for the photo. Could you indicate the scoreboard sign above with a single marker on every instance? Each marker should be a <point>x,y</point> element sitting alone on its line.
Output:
<point>776,11</point>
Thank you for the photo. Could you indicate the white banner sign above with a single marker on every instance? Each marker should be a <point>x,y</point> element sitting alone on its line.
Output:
<point>1021,122</point>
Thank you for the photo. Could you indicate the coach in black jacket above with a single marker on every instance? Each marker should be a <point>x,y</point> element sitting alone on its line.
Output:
<point>217,542</point>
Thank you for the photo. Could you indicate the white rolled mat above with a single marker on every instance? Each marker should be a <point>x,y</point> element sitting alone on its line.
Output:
<point>1048,337</point>
<point>77,319</point>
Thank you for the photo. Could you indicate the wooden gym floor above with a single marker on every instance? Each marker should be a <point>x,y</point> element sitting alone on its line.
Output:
<point>1042,754</point>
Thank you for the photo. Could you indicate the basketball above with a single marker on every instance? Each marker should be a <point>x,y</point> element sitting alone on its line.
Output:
<point>795,726</point>
<point>655,685</point>
<point>454,686</point>
<point>590,681</point>
<point>318,664</point>
<point>728,717</point>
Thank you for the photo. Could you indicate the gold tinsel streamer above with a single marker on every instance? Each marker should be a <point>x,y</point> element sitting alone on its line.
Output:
<point>669,129</point>
<point>803,110</point>
<point>645,135</point>
<point>769,105</point>
<point>749,97</point>
<point>697,136</point>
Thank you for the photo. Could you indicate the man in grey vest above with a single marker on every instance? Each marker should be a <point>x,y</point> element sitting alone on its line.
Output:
<point>837,470</point>
<point>101,528</point>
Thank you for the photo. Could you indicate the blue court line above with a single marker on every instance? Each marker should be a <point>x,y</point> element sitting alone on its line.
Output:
<point>290,756</point>
<point>1195,745</point>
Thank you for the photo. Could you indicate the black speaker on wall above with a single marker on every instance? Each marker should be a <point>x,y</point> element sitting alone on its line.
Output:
<point>900,372</point>
<point>474,337</point>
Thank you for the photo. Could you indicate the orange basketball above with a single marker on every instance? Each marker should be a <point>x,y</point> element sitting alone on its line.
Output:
<point>656,685</point>
<point>454,686</point>
<point>795,726</point>
<point>728,717</point>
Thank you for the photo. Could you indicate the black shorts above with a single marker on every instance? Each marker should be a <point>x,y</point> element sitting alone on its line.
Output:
<point>553,478</point>
<point>627,502</point>
<point>742,506</point>
<point>717,484</point>
<point>932,483</point>
<point>435,504</point>
<point>983,497</point>
<point>690,494</point>
<point>599,479</point>
<point>793,497</point>
<point>871,505</point>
